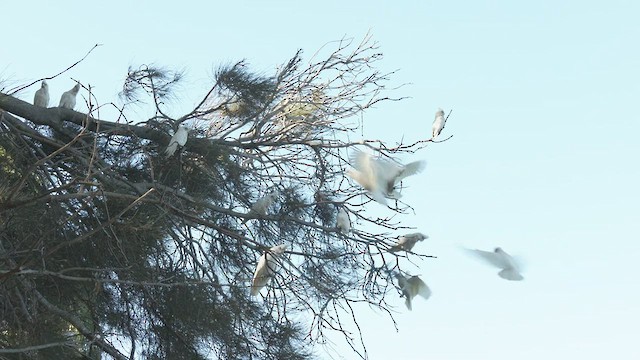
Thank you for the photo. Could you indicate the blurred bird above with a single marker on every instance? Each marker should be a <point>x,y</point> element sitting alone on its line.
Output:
<point>178,139</point>
<point>412,287</point>
<point>510,268</point>
<point>235,107</point>
<point>267,266</point>
<point>342,221</point>
<point>438,124</point>
<point>408,241</point>
<point>379,176</point>
<point>68,98</point>
<point>41,98</point>
<point>260,207</point>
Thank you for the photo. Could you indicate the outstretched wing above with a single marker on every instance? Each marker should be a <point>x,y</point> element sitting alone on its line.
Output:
<point>489,257</point>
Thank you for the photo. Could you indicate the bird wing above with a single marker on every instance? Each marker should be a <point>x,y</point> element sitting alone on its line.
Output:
<point>411,168</point>
<point>419,287</point>
<point>260,276</point>
<point>181,136</point>
<point>64,99</point>
<point>438,125</point>
<point>342,221</point>
<point>41,98</point>
<point>364,164</point>
<point>367,173</point>
<point>405,288</point>
<point>490,257</point>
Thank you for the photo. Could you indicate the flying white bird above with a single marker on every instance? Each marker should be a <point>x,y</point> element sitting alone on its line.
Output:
<point>510,268</point>
<point>260,207</point>
<point>380,176</point>
<point>342,221</point>
<point>438,124</point>
<point>408,241</point>
<point>267,266</point>
<point>412,287</point>
<point>68,98</point>
<point>41,98</point>
<point>178,139</point>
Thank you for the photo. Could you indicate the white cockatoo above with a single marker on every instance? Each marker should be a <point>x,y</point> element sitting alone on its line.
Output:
<point>306,107</point>
<point>260,207</point>
<point>412,287</point>
<point>41,98</point>
<point>510,268</point>
<point>235,107</point>
<point>267,266</point>
<point>178,139</point>
<point>380,176</point>
<point>438,124</point>
<point>342,221</point>
<point>68,98</point>
<point>408,241</point>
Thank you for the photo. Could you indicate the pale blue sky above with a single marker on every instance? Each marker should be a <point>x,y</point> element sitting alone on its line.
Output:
<point>544,160</point>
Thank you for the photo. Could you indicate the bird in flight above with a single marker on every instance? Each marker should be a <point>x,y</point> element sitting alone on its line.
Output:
<point>412,287</point>
<point>380,176</point>
<point>509,268</point>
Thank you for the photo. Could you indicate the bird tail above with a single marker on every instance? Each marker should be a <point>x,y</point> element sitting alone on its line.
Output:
<point>407,301</point>
<point>171,149</point>
<point>510,274</point>
<point>394,248</point>
<point>377,196</point>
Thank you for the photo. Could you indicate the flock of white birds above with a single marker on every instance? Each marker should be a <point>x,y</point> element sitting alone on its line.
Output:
<point>380,178</point>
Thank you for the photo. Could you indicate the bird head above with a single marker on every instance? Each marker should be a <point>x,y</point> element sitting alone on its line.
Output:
<point>44,84</point>
<point>76,88</point>
<point>497,250</point>
<point>279,249</point>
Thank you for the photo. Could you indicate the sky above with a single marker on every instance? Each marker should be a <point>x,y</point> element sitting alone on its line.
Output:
<point>543,160</point>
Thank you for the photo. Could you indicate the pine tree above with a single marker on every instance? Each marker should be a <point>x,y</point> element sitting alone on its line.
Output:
<point>109,248</point>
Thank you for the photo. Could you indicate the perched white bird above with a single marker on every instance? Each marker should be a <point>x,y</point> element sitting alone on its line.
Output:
<point>178,139</point>
<point>412,287</point>
<point>41,98</point>
<point>267,266</point>
<point>408,241</point>
<point>342,221</point>
<point>261,206</point>
<point>380,176</point>
<point>438,124</point>
<point>68,98</point>
<point>510,268</point>
<point>235,107</point>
